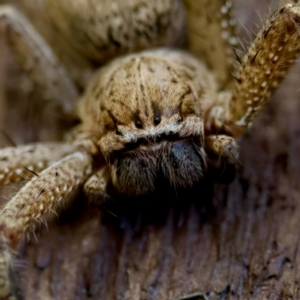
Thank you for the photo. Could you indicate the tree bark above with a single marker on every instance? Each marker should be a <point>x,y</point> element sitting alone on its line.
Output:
<point>220,242</point>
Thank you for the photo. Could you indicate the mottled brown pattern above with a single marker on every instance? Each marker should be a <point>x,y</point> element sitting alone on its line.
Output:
<point>146,254</point>
<point>42,195</point>
<point>273,51</point>
<point>21,163</point>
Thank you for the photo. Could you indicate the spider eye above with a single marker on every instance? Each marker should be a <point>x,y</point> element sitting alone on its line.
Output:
<point>138,124</point>
<point>180,119</point>
<point>157,120</point>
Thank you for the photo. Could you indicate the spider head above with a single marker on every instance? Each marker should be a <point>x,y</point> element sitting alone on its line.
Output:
<point>148,115</point>
<point>171,152</point>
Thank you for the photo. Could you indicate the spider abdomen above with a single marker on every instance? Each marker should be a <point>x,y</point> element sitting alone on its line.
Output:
<point>101,30</point>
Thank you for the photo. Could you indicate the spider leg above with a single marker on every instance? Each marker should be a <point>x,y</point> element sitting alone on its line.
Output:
<point>222,146</point>
<point>28,160</point>
<point>212,39</point>
<point>95,187</point>
<point>223,156</point>
<point>284,2</point>
<point>269,57</point>
<point>36,200</point>
<point>37,58</point>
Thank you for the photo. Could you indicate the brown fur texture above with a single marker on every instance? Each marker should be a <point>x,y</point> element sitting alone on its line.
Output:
<point>147,112</point>
<point>150,118</point>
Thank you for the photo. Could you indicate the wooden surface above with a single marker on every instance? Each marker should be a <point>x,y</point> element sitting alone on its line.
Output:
<point>229,242</point>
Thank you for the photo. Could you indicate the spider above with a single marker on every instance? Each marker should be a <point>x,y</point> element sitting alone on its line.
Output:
<point>147,116</point>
